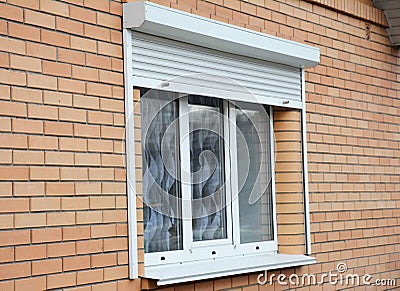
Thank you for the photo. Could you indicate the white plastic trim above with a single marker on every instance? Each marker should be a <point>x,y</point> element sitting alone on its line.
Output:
<point>166,22</point>
<point>130,156</point>
<point>206,269</point>
<point>306,199</point>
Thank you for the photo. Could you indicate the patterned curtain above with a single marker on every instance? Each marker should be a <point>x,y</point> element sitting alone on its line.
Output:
<point>162,226</point>
<point>207,168</point>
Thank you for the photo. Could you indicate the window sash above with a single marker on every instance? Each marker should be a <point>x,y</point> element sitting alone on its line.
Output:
<point>231,246</point>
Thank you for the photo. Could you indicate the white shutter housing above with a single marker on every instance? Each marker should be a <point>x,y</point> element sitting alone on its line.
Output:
<point>201,56</point>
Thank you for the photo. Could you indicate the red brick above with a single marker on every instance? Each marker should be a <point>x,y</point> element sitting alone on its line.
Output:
<point>5,156</point>
<point>71,56</point>
<point>24,31</point>
<point>6,285</point>
<point>6,255</point>
<point>41,51</point>
<point>12,78</point>
<point>109,49</point>
<point>46,235</point>
<point>14,237</point>
<point>83,14</point>
<point>14,173</point>
<point>61,280</point>
<point>39,19</point>
<point>60,188</point>
<point>60,218</point>
<point>15,270</point>
<point>12,109</point>
<point>5,189</point>
<point>116,273</point>
<point>56,69</point>
<point>27,126</point>
<point>83,44</point>
<point>57,98</point>
<point>104,260</point>
<point>96,32</point>
<point>116,37</point>
<point>85,188</point>
<point>33,4</point>
<point>73,86</point>
<point>30,252</point>
<point>76,174</point>
<point>74,115</point>
<point>5,124</point>
<point>45,204</point>
<point>28,189</point>
<point>41,81</point>
<point>116,8</point>
<point>26,95</point>
<point>98,89</point>
<point>70,26</point>
<point>111,77</point>
<point>98,231</point>
<point>89,246</point>
<point>73,144</point>
<point>89,217</point>
<point>55,38</point>
<point>30,220</point>
<point>91,276</point>
<point>101,174</point>
<point>111,286</point>
<point>6,222</point>
<point>12,45</point>
<point>76,263</point>
<point>54,7</point>
<point>28,157</point>
<point>100,146</point>
<point>11,12</point>
<point>25,63</point>
<point>4,61</point>
<point>84,130</point>
<point>43,142</point>
<point>75,203</point>
<point>5,92</point>
<point>81,101</point>
<point>3,26</point>
<point>112,160</point>
<point>103,5</point>
<point>48,266</point>
<point>14,205</point>
<point>108,20</point>
<point>42,111</point>
<point>102,62</point>
<point>86,159</point>
<point>44,173</point>
<point>58,128</point>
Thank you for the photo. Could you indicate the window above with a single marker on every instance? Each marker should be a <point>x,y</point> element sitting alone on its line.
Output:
<point>207,178</point>
<point>213,205</point>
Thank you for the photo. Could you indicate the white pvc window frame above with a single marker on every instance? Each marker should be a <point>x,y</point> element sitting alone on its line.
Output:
<point>218,248</point>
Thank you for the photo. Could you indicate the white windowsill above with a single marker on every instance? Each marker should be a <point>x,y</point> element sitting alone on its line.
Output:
<point>200,270</point>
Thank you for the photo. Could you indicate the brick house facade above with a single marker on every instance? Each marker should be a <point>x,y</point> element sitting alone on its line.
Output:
<point>63,203</point>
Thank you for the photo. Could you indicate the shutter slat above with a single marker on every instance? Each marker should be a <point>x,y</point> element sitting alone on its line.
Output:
<point>162,59</point>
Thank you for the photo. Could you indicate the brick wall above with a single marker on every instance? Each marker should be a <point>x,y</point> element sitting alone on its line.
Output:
<point>62,175</point>
<point>63,213</point>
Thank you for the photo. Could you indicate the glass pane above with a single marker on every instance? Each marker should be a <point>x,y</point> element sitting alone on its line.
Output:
<point>161,191</point>
<point>207,168</point>
<point>254,173</point>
